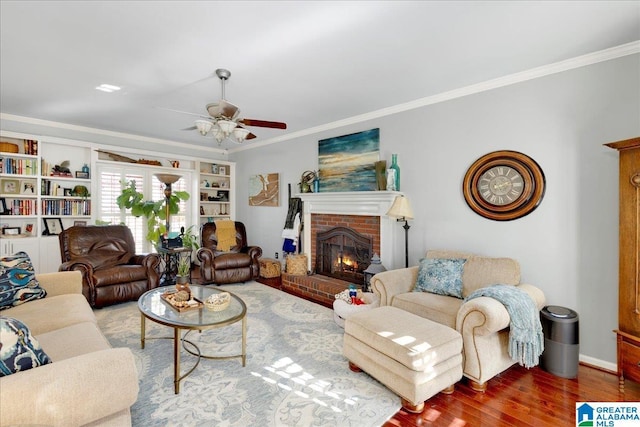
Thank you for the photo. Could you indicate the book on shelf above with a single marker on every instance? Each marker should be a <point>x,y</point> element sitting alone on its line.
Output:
<point>14,166</point>
<point>31,147</point>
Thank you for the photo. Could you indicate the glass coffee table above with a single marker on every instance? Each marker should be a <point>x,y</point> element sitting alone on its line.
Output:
<point>154,308</point>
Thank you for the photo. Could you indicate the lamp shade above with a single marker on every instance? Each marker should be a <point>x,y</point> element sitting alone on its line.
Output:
<point>167,178</point>
<point>240,134</point>
<point>203,126</point>
<point>226,126</point>
<point>401,208</point>
<point>218,135</point>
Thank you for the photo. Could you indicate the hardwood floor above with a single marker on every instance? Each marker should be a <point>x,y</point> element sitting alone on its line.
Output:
<point>518,397</point>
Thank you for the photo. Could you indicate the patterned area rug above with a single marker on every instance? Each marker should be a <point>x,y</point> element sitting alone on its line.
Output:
<point>295,373</point>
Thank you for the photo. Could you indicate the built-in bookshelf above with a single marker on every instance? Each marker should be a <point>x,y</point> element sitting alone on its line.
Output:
<point>46,183</point>
<point>42,184</point>
<point>216,191</point>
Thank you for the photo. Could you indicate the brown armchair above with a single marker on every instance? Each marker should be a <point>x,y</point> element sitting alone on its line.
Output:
<point>111,271</point>
<point>239,264</point>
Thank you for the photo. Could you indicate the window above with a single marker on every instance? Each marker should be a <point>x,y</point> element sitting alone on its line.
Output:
<point>111,178</point>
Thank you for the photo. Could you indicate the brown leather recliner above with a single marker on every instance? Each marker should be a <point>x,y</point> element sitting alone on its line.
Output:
<point>111,271</point>
<point>239,264</point>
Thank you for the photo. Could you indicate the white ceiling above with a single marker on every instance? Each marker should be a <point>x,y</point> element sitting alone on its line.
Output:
<point>305,63</point>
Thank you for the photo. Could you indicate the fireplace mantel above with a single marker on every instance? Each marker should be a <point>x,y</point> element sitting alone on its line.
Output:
<point>370,203</point>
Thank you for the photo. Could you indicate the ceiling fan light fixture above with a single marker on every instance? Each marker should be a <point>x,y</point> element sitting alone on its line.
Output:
<point>240,134</point>
<point>218,135</point>
<point>226,126</point>
<point>203,126</point>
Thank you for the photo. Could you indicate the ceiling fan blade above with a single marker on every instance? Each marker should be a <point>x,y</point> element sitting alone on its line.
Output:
<point>263,123</point>
<point>184,112</point>
<point>223,108</point>
<point>251,136</point>
<point>190,128</point>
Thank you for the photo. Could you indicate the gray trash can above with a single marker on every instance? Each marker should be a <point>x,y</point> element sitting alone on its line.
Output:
<point>561,341</point>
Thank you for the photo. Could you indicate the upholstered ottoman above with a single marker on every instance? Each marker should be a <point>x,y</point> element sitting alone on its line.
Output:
<point>269,268</point>
<point>413,356</point>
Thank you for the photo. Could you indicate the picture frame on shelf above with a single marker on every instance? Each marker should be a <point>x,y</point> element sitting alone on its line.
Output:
<point>29,228</point>
<point>11,231</point>
<point>79,223</point>
<point>222,170</point>
<point>214,169</point>
<point>82,175</point>
<point>67,192</point>
<point>28,187</point>
<point>10,186</point>
<point>3,206</point>
<point>53,226</point>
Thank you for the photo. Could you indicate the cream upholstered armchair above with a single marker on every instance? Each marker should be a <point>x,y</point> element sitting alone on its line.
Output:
<point>483,322</point>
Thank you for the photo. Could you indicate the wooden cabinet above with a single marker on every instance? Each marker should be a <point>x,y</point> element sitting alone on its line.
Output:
<point>29,245</point>
<point>629,261</point>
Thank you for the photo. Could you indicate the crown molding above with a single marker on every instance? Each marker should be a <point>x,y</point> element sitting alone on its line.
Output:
<point>534,73</point>
<point>103,132</point>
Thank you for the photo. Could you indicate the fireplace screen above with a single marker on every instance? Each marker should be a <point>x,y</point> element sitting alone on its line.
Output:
<point>343,253</point>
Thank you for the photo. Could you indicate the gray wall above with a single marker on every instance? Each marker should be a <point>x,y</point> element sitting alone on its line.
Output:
<point>567,247</point>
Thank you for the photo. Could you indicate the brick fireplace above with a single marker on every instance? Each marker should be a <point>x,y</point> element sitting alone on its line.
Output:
<point>363,212</point>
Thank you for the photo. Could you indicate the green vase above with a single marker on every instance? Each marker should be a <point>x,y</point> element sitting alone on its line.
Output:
<point>394,166</point>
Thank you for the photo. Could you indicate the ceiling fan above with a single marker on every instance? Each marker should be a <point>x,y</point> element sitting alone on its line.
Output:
<point>223,121</point>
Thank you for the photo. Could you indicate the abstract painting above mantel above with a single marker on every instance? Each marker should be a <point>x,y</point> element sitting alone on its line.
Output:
<point>347,163</point>
<point>264,190</point>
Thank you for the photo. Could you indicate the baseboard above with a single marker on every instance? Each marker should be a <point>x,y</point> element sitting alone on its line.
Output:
<point>599,364</point>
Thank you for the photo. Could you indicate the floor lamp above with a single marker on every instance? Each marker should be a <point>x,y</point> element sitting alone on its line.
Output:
<point>167,179</point>
<point>401,209</point>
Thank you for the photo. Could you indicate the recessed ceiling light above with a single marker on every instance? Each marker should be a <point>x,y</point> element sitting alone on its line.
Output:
<point>107,88</point>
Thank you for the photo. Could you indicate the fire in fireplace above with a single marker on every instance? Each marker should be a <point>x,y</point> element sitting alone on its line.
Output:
<point>343,253</point>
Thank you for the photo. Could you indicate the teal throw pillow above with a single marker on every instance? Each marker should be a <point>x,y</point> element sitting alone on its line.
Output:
<point>20,350</point>
<point>18,282</point>
<point>442,276</point>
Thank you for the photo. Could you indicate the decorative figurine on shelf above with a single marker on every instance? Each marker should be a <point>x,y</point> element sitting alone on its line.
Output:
<point>85,169</point>
<point>391,180</point>
<point>62,169</point>
<point>306,180</point>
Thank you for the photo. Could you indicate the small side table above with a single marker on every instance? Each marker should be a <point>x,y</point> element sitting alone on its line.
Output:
<point>170,258</point>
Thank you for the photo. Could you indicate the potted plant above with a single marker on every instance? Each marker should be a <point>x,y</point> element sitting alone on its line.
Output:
<point>154,211</point>
<point>189,239</point>
<point>184,268</point>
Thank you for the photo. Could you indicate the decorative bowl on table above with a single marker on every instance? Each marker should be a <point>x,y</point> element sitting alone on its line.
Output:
<point>218,302</point>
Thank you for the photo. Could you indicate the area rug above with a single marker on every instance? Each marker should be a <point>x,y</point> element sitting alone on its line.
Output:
<point>295,373</point>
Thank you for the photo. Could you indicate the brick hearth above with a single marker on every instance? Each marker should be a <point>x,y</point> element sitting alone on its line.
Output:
<point>315,287</point>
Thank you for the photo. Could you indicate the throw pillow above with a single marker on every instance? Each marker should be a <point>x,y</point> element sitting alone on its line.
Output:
<point>20,350</point>
<point>442,276</point>
<point>18,282</point>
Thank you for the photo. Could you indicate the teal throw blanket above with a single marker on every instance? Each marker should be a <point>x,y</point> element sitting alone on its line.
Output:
<point>526,340</point>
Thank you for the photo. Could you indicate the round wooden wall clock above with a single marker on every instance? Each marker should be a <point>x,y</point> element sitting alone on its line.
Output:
<point>504,185</point>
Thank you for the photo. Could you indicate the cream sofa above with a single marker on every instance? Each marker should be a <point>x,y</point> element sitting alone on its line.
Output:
<point>88,383</point>
<point>483,322</point>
